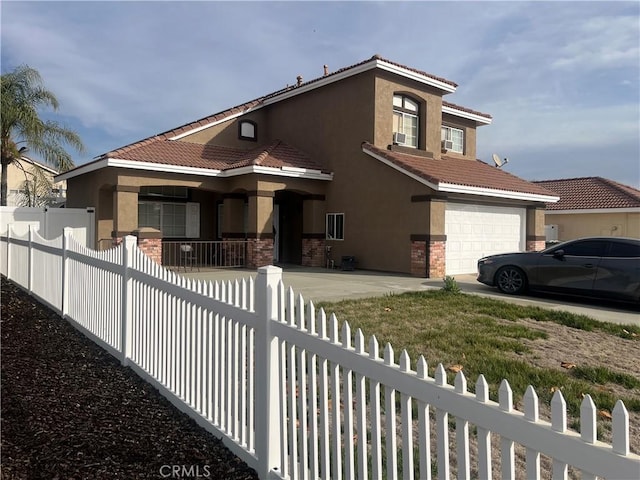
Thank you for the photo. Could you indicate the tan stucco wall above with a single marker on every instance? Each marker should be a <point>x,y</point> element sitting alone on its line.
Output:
<point>579,225</point>
<point>535,222</point>
<point>226,133</point>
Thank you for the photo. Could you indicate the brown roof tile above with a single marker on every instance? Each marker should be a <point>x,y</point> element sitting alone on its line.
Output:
<point>216,157</point>
<point>458,171</point>
<point>591,193</point>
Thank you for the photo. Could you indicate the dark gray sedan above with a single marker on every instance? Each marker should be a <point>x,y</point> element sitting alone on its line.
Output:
<point>604,267</point>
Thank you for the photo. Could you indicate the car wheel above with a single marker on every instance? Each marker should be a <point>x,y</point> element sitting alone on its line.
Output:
<point>511,280</point>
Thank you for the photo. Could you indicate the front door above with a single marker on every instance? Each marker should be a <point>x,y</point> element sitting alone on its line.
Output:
<point>289,208</point>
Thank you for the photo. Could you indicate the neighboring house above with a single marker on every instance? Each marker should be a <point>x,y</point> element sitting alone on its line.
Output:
<point>368,160</point>
<point>31,183</point>
<point>592,206</point>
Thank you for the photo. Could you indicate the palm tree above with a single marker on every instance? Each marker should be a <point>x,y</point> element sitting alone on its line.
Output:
<point>22,94</point>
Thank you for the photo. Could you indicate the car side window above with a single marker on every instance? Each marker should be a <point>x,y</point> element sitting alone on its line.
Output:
<point>624,249</point>
<point>586,248</point>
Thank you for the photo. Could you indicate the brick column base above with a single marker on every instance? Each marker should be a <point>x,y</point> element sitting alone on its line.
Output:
<point>313,252</point>
<point>418,258</point>
<point>152,248</point>
<point>436,259</point>
<point>535,245</point>
<point>150,242</point>
<point>259,252</point>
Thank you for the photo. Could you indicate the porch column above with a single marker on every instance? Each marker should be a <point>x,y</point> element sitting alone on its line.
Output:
<point>260,229</point>
<point>536,239</point>
<point>233,228</point>
<point>233,216</point>
<point>313,231</point>
<point>428,245</point>
<point>125,211</point>
<point>150,242</point>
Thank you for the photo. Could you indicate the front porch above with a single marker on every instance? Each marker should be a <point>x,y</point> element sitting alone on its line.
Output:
<point>213,223</point>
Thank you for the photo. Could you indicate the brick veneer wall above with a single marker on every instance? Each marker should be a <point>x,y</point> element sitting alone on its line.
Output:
<point>152,248</point>
<point>535,245</point>
<point>436,259</point>
<point>428,258</point>
<point>259,252</point>
<point>313,252</point>
<point>418,258</point>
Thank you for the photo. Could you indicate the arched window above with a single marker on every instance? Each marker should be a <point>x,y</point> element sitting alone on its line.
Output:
<point>405,121</point>
<point>248,130</point>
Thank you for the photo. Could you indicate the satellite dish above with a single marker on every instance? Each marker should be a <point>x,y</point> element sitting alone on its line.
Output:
<point>498,161</point>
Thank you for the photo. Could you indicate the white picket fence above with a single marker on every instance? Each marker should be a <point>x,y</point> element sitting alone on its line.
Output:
<point>289,393</point>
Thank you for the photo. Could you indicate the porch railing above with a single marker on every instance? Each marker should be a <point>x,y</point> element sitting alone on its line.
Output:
<point>191,255</point>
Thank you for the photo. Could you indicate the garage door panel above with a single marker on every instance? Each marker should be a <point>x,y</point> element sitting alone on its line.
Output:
<point>474,231</point>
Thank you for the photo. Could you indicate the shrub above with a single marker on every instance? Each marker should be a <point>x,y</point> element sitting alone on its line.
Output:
<point>450,285</point>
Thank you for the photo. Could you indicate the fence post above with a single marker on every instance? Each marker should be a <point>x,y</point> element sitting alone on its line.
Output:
<point>267,435</point>
<point>66,233</point>
<point>126,315</point>
<point>9,228</point>
<point>30,260</point>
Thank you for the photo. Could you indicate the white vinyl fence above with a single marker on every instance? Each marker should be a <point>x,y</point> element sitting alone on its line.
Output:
<point>50,222</point>
<point>288,392</point>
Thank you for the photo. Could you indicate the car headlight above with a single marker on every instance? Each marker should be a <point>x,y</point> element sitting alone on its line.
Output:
<point>485,261</point>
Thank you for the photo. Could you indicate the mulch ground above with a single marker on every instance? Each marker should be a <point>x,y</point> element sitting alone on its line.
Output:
<point>71,411</point>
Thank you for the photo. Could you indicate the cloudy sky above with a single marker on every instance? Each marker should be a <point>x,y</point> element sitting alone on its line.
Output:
<point>561,79</point>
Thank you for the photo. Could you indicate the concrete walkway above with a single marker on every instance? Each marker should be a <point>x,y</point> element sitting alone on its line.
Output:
<point>319,284</point>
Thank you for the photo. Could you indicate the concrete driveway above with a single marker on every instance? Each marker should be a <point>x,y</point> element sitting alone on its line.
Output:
<point>319,284</point>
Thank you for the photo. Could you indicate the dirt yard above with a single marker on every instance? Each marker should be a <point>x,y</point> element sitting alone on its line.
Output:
<point>591,349</point>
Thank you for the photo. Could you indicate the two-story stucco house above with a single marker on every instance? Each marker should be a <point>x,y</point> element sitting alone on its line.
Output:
<point>369,160</point>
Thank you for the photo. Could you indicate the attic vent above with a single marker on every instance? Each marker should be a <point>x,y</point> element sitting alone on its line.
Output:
<point>399,138</point>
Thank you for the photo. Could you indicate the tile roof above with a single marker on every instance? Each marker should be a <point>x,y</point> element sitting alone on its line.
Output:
<point>591,193</point>
<point>458,171</point>
<point>186,154</point>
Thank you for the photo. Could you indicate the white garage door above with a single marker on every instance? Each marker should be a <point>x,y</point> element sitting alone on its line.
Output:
<point>474,231</point>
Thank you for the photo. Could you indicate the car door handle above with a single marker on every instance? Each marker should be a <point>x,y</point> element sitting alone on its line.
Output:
<point>588,265</point>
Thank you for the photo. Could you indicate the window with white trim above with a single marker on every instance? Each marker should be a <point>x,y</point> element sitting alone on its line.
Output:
<point>405,120</point>
<point>175,220</point>
<point>455,136</point>
<point>335,226</point>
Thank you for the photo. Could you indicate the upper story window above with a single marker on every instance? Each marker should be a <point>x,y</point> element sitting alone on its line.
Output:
<point>248,130</point>
<point>455,136</point>
<point>405,121</point>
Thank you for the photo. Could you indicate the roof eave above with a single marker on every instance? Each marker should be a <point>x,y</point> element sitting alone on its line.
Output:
<point>479,119</point>
<point>593,210</point>
<point>494,192</point>
<point>295,172</point>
